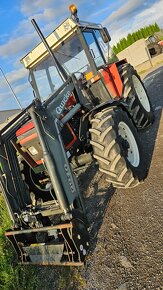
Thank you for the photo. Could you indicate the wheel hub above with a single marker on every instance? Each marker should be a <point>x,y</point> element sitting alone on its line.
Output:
<point>125,146</point>
<point>141,93</point>
<point>128,144</point>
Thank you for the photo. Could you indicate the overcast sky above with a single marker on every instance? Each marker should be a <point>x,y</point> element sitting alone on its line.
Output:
<point>17,35</point>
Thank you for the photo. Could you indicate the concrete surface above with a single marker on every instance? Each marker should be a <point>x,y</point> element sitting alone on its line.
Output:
<point>136,53</point>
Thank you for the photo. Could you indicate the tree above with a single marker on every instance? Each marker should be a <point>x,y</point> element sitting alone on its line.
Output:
<point>135,37</point>
<point>157,28</point>
<point>152,29</point>
<point>140,34</point>
<point>115,49</point>
<point>143,32</point>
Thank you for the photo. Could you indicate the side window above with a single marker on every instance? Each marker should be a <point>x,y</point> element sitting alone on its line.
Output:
<point>42,83</point>
<point>47,78</point>
<point>106,49</point>
<point>102,44</point>
<point>94,50</point>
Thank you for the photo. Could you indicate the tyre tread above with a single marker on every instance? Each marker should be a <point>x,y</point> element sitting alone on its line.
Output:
<point>108,154</point>
<point>141,118</point>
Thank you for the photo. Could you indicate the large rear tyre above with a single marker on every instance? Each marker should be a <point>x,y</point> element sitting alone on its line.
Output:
<point>117,148</point>
<point>136,97</point>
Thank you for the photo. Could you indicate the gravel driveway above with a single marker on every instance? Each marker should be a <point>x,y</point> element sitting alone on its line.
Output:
<point>127,225</point>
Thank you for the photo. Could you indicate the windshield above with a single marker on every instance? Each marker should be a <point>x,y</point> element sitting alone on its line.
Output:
<point>71,56</point>
<point>101,52</point>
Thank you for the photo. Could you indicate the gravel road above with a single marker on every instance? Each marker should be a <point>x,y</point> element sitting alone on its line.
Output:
<point>127,225</point>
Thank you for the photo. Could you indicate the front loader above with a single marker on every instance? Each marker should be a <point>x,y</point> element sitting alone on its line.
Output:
<point>85,110</point>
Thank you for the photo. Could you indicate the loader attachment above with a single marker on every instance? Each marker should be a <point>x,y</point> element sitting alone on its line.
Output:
<point>40,189</point>
<point>51,245</point>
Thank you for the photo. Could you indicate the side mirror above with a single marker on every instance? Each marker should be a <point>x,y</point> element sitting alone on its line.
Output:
<point>105,35</point>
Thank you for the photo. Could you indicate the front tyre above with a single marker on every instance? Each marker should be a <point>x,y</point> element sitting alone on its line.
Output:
<point>135,95</point>
<point>117,148</point>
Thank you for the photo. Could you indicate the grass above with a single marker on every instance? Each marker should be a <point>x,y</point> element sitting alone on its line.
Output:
<point>71,279</point>
<point>13,277</point>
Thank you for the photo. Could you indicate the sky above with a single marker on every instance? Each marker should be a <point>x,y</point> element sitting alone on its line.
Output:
<point>18,36</point>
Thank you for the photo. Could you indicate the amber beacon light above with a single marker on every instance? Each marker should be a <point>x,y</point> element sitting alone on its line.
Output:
<point>73,9</point>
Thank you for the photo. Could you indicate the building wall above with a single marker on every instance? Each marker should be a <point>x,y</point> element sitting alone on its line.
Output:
<point>136,54</point>
<point>6,115</point>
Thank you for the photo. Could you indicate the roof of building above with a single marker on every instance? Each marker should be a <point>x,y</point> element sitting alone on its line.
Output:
<point>7,115</point>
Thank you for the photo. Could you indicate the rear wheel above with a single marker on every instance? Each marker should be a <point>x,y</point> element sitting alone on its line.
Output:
<point>136,97</point>
<point>117,148</point>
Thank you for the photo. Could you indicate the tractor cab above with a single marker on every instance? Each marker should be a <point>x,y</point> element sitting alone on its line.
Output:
<point>82,49</point>
<point>153,44</point>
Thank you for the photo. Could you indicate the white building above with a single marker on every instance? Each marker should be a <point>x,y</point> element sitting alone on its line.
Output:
<point>7,115</point>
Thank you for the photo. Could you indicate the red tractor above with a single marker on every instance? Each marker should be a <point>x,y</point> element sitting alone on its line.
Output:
<point>86,109</point>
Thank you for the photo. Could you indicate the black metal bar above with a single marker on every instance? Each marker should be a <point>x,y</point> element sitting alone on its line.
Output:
<point>36,230</point>
<point>60,69</point>
<point>12,198</point>
<point>17,181</point>
<point>77,264</point>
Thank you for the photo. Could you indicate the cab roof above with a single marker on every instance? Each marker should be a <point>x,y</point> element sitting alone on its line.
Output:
<point>54,39</point>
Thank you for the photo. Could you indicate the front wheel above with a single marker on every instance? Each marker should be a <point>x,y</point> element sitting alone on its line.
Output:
<point>117,148</point>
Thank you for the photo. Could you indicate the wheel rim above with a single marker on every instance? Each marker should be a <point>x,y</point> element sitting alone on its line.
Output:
<point>132,151</point>
<point>141,93</point>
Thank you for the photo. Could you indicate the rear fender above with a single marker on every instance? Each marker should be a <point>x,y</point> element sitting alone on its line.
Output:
<point>112,78</point>
<point>85,121</point>
<point>114,103</point>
